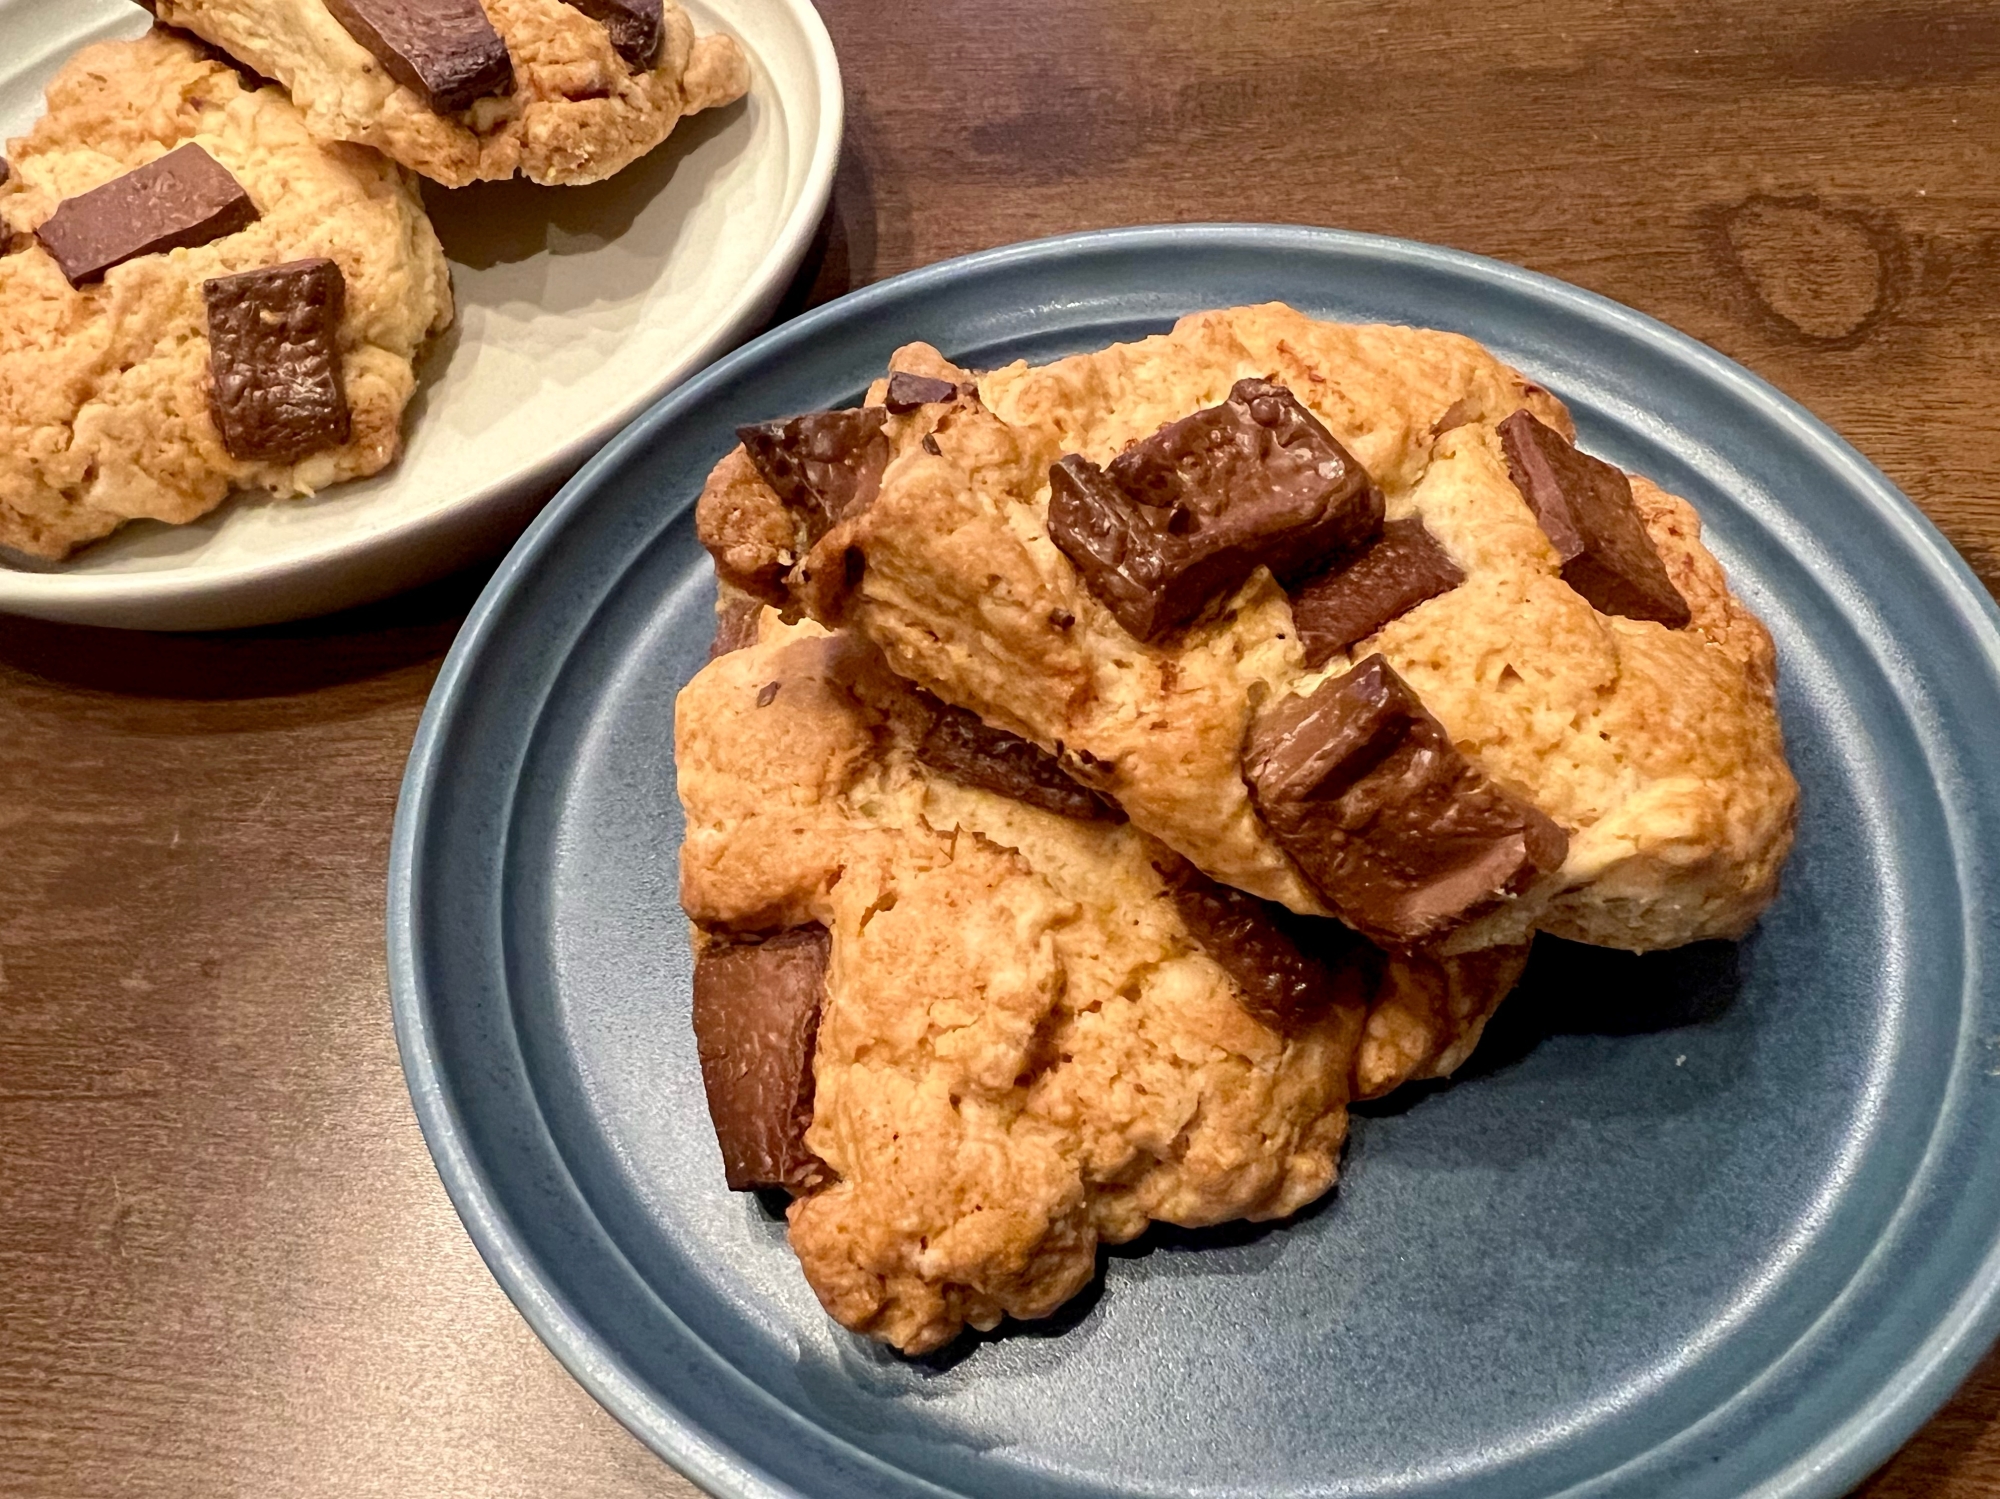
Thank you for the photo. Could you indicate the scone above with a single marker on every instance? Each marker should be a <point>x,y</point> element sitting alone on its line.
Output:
<point>1339,613</point>
<point>977,1023</point>
<point>198,296</point>
<point>560,91</point>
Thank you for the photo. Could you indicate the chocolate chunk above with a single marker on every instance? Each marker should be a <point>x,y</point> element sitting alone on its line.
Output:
<point>1364,590</point>
<point>444,50</point>
<point>184,198</point>
<point>957,744</point>
<point>6,172</point>
<point>1290,969</point>
<point>1256,473</point>
<point>1186,516</point>
<point>907,392</point>
<point>756,1017</point>
<point>735,624</point>
<point>823,464</point>
<point>1585,508</point>
<point>1402,836</point>
<point>636,27</point>
<point>276,391</point>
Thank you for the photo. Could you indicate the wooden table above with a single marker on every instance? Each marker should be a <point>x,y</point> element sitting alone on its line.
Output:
<point>226,1265</point>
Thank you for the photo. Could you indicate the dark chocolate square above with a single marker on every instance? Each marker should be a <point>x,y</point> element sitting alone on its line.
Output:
<point>1186,516</point>
<point>446,51</point>
<point>907,392</point>
<point>276,390</point>
<point>1289,970</point>
<point>1403,837</point>
<point>735,624</point>
<point>756,1020</point>
<point>1585,508</point>
<point>636,28</point>
<point>182,199</point>
<point>1362,591</point>
<point>823,465</point>
<point>960,745</point>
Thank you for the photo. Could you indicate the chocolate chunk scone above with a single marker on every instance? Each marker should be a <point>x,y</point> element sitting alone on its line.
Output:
<point>979,1023</point>
<point>199,296</point>
<point>560,91</point>
<point>1339,613</point>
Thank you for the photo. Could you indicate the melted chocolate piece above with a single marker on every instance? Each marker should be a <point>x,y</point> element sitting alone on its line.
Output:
<point>274,360</point>
<point>1290,969</point>
<point>907,392</point>
<point>6,172</point>
<point>181,199</point>
<point>444,50</point>
<point>735,625</point>
<point>1186,516</point>
<point>756,1017</point>
<point>1585,508</point>
<point>1401,835</point>
<point>1364,590</point>
<point>823,464</point>
<point>636,28</point>
<point>957,744</point>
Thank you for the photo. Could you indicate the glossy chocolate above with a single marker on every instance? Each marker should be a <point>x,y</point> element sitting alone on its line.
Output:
<point>822,465</point>
<point>1586,510</point>
<point>276,391</point>
<point>735,624</point>
<point>1362,591</point>
<point>444,50</point>
<point>182,199</point>
<point>1403,837</point>
<point>636,28</point>
<point>1186,516</point>
<point>907,392</point>
<point>1289,970</point>
<point>756,1018</point>
<point>959,745</point>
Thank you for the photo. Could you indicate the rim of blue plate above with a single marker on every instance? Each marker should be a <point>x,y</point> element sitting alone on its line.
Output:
<point>1909,1394</point>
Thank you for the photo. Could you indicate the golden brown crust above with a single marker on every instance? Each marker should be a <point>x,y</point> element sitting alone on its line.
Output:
<point>578,114</point>
<point>1428,1015</point>
<point>1023,1051</point>
<point>104,391</point>
<point>1658,750</point>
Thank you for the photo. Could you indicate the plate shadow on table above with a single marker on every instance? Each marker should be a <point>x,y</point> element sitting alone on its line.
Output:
<point>272,661</point>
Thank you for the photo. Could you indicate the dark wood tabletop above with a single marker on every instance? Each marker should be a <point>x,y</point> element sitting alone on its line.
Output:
<point>226,1264</point>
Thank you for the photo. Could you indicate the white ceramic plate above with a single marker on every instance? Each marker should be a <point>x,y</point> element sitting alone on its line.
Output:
<point>577,308</point>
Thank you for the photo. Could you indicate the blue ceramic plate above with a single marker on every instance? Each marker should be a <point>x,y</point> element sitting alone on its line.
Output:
<point>1720,1223</point>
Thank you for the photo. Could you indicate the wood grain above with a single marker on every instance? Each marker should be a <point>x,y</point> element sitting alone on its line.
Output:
<point>226,1265</point>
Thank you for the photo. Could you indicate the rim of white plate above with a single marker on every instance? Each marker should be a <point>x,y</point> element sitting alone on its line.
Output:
<point>115,597</point>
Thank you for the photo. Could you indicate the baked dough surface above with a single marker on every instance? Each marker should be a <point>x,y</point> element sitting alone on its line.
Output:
<point>104,390</point>
<point>1658,750</point>
<point>577,114</point>
<point>1022,1052</point>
